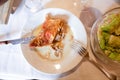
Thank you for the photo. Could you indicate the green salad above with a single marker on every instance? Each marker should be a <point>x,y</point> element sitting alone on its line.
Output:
<point>109,36</point>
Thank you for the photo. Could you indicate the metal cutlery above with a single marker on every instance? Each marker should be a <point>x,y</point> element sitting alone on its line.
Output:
<point>18,41</point>
<point>79,48</point>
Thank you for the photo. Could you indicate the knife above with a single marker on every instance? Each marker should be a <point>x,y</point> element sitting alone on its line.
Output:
<point>18,41</point>
<point>2,2</point>
<point>15,5</point>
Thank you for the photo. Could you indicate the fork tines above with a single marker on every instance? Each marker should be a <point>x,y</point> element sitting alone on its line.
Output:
<point>78,47</point>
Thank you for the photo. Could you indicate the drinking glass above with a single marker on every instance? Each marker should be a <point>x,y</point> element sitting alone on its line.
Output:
<point>33,5</point>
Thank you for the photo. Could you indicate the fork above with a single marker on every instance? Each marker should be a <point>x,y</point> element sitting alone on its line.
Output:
<point>79,48</point>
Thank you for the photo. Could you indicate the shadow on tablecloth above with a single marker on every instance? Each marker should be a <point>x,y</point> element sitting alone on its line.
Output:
<point>88,16</point>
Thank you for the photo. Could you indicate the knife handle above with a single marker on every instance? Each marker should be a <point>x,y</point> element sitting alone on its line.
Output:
<point>2,2</point>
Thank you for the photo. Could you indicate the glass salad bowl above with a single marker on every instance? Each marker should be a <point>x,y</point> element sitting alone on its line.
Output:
<point>105,41</point>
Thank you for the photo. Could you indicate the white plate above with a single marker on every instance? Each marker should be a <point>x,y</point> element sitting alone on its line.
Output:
<point>70,61</point>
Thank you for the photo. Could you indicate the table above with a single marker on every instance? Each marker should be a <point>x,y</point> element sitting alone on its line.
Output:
<point>12,62</point>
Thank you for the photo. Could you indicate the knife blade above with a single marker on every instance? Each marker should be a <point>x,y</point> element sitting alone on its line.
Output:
<point>18,41</point>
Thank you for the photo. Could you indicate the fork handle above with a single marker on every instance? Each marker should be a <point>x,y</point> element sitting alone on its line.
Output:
<point>107,74</point>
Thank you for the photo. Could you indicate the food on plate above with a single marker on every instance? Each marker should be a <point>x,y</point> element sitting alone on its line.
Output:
<point>52,30</point>
<point>50,37</point>
<point>109,36</point>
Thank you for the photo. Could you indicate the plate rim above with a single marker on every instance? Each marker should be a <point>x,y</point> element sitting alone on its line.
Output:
<point>70,14</point>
